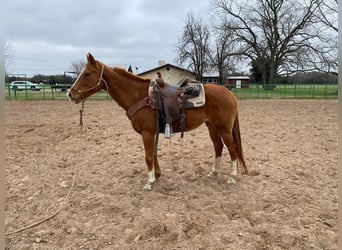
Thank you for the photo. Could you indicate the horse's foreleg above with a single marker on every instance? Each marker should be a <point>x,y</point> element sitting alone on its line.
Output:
<point>148,140</point>
<point>157,170</point>
<point>150,180</point>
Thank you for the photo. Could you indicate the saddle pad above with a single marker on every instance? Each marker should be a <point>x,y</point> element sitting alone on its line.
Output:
<point>199,100</point>
<point>194,102</point>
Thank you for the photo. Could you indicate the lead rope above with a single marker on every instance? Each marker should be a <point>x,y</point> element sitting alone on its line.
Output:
<point>81,116</point>
<point>70,189</point>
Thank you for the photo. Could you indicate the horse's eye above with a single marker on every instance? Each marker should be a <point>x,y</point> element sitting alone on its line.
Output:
<point>86,74</point>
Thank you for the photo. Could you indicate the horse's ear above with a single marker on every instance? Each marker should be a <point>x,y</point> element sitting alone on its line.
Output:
<point>91,59</point>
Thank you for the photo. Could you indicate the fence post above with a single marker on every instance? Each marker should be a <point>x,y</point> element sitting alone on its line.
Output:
<point>43,87</point>
<point>9,92</point>
<point>325,90</point>
<point>313,91</point>
<point>52,93</point>
<point>15,92</point>
<point>26,94</point>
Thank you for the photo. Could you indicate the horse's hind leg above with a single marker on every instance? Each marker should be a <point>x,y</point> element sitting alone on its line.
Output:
<point>218,146</point>
<point>227,137</point>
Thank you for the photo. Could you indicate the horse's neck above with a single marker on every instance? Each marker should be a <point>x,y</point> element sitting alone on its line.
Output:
<point>125,89</point>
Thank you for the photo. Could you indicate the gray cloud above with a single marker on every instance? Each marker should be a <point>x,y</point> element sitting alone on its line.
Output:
<point>48,35</point>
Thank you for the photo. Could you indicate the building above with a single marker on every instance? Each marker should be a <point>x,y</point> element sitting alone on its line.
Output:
<point>170,73</point>
<point>211,78</point>
<point>237,82</point>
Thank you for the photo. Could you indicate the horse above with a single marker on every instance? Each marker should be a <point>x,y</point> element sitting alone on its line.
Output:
<point>219,113</point>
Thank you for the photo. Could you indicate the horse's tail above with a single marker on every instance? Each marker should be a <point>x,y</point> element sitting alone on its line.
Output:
<point>237,140</point>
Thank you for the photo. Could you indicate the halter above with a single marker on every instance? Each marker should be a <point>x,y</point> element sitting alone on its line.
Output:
<point>95,86</point>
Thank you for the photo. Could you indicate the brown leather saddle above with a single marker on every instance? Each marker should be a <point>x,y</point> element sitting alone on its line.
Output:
<point>171,101</point>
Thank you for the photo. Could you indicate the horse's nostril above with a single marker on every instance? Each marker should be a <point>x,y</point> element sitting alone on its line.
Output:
<point>69,95</point>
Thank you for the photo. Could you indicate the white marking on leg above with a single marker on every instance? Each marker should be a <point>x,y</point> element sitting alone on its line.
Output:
<point>151,178</point>
<point>233,173</point>
<point>215,168</point>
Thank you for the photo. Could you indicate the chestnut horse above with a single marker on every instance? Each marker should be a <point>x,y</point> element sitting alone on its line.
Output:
<point>219,113</point>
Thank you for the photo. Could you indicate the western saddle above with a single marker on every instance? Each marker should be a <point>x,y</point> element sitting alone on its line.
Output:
<point>171,100</point>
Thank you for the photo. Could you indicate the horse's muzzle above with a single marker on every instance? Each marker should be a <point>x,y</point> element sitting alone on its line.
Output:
<point>74,97</point>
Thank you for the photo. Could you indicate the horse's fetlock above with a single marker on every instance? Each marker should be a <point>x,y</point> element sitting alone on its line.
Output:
<point>212,174</point>
<point>148,187</point>
<point>231,180</point>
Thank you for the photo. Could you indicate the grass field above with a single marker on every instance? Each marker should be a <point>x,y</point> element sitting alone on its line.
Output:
<point>288,91</point>
<point>255,91</point>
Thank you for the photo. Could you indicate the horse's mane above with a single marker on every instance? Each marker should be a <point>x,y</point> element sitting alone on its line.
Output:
<point>130,75</point>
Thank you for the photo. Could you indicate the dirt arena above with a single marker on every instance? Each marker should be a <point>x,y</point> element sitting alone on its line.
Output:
<point>288,201</point>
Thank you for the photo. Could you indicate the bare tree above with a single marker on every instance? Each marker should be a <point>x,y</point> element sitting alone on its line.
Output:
<point>224,50</point>
<point>328,14</point>
<point>9,56</point>
<point>77,66</point>
<point>275,34</point>
<point>193,46</point>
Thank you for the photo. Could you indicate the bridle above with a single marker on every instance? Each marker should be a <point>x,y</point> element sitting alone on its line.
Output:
<point>88,89</point>
<point>95,86</point>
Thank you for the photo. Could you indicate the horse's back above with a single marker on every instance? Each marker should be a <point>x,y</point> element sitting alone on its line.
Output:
<point>220,97</point>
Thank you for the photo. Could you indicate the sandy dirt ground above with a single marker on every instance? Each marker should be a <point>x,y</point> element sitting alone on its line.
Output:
<point>288,201</point>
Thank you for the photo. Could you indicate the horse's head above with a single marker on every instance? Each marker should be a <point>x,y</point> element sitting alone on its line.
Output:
<point>88,82</point>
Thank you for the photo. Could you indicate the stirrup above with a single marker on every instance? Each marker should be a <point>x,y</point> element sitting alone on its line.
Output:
<point>168,131</point>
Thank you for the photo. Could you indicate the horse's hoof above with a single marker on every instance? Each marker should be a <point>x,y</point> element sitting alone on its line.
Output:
<point>231,180</point>
<point>148,187</point>
<point>212,174</point>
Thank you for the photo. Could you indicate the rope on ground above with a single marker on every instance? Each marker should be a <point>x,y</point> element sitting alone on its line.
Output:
<point>70,189</point>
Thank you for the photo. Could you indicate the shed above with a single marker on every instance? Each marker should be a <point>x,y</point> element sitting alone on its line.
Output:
<point>212,77</point>
<point>237,82</point>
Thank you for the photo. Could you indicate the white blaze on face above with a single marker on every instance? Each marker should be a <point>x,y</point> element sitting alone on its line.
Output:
<point>74,85</point>
<point>79,76</point>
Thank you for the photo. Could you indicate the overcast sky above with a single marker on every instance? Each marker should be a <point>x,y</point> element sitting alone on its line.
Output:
<point>47,35</point>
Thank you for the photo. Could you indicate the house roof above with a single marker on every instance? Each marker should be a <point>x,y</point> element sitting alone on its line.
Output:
<point>238,77</point>
<point>166,65</point>
<point>211,74</point>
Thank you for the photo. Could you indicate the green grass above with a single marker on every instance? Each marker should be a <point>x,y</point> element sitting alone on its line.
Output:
<point>288,91</point>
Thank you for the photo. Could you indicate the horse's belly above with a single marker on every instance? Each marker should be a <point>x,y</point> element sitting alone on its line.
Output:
<point>194,118</point>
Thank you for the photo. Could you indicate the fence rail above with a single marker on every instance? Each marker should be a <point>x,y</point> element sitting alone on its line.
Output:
<point>288,91</point>
<point>254,91</point>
